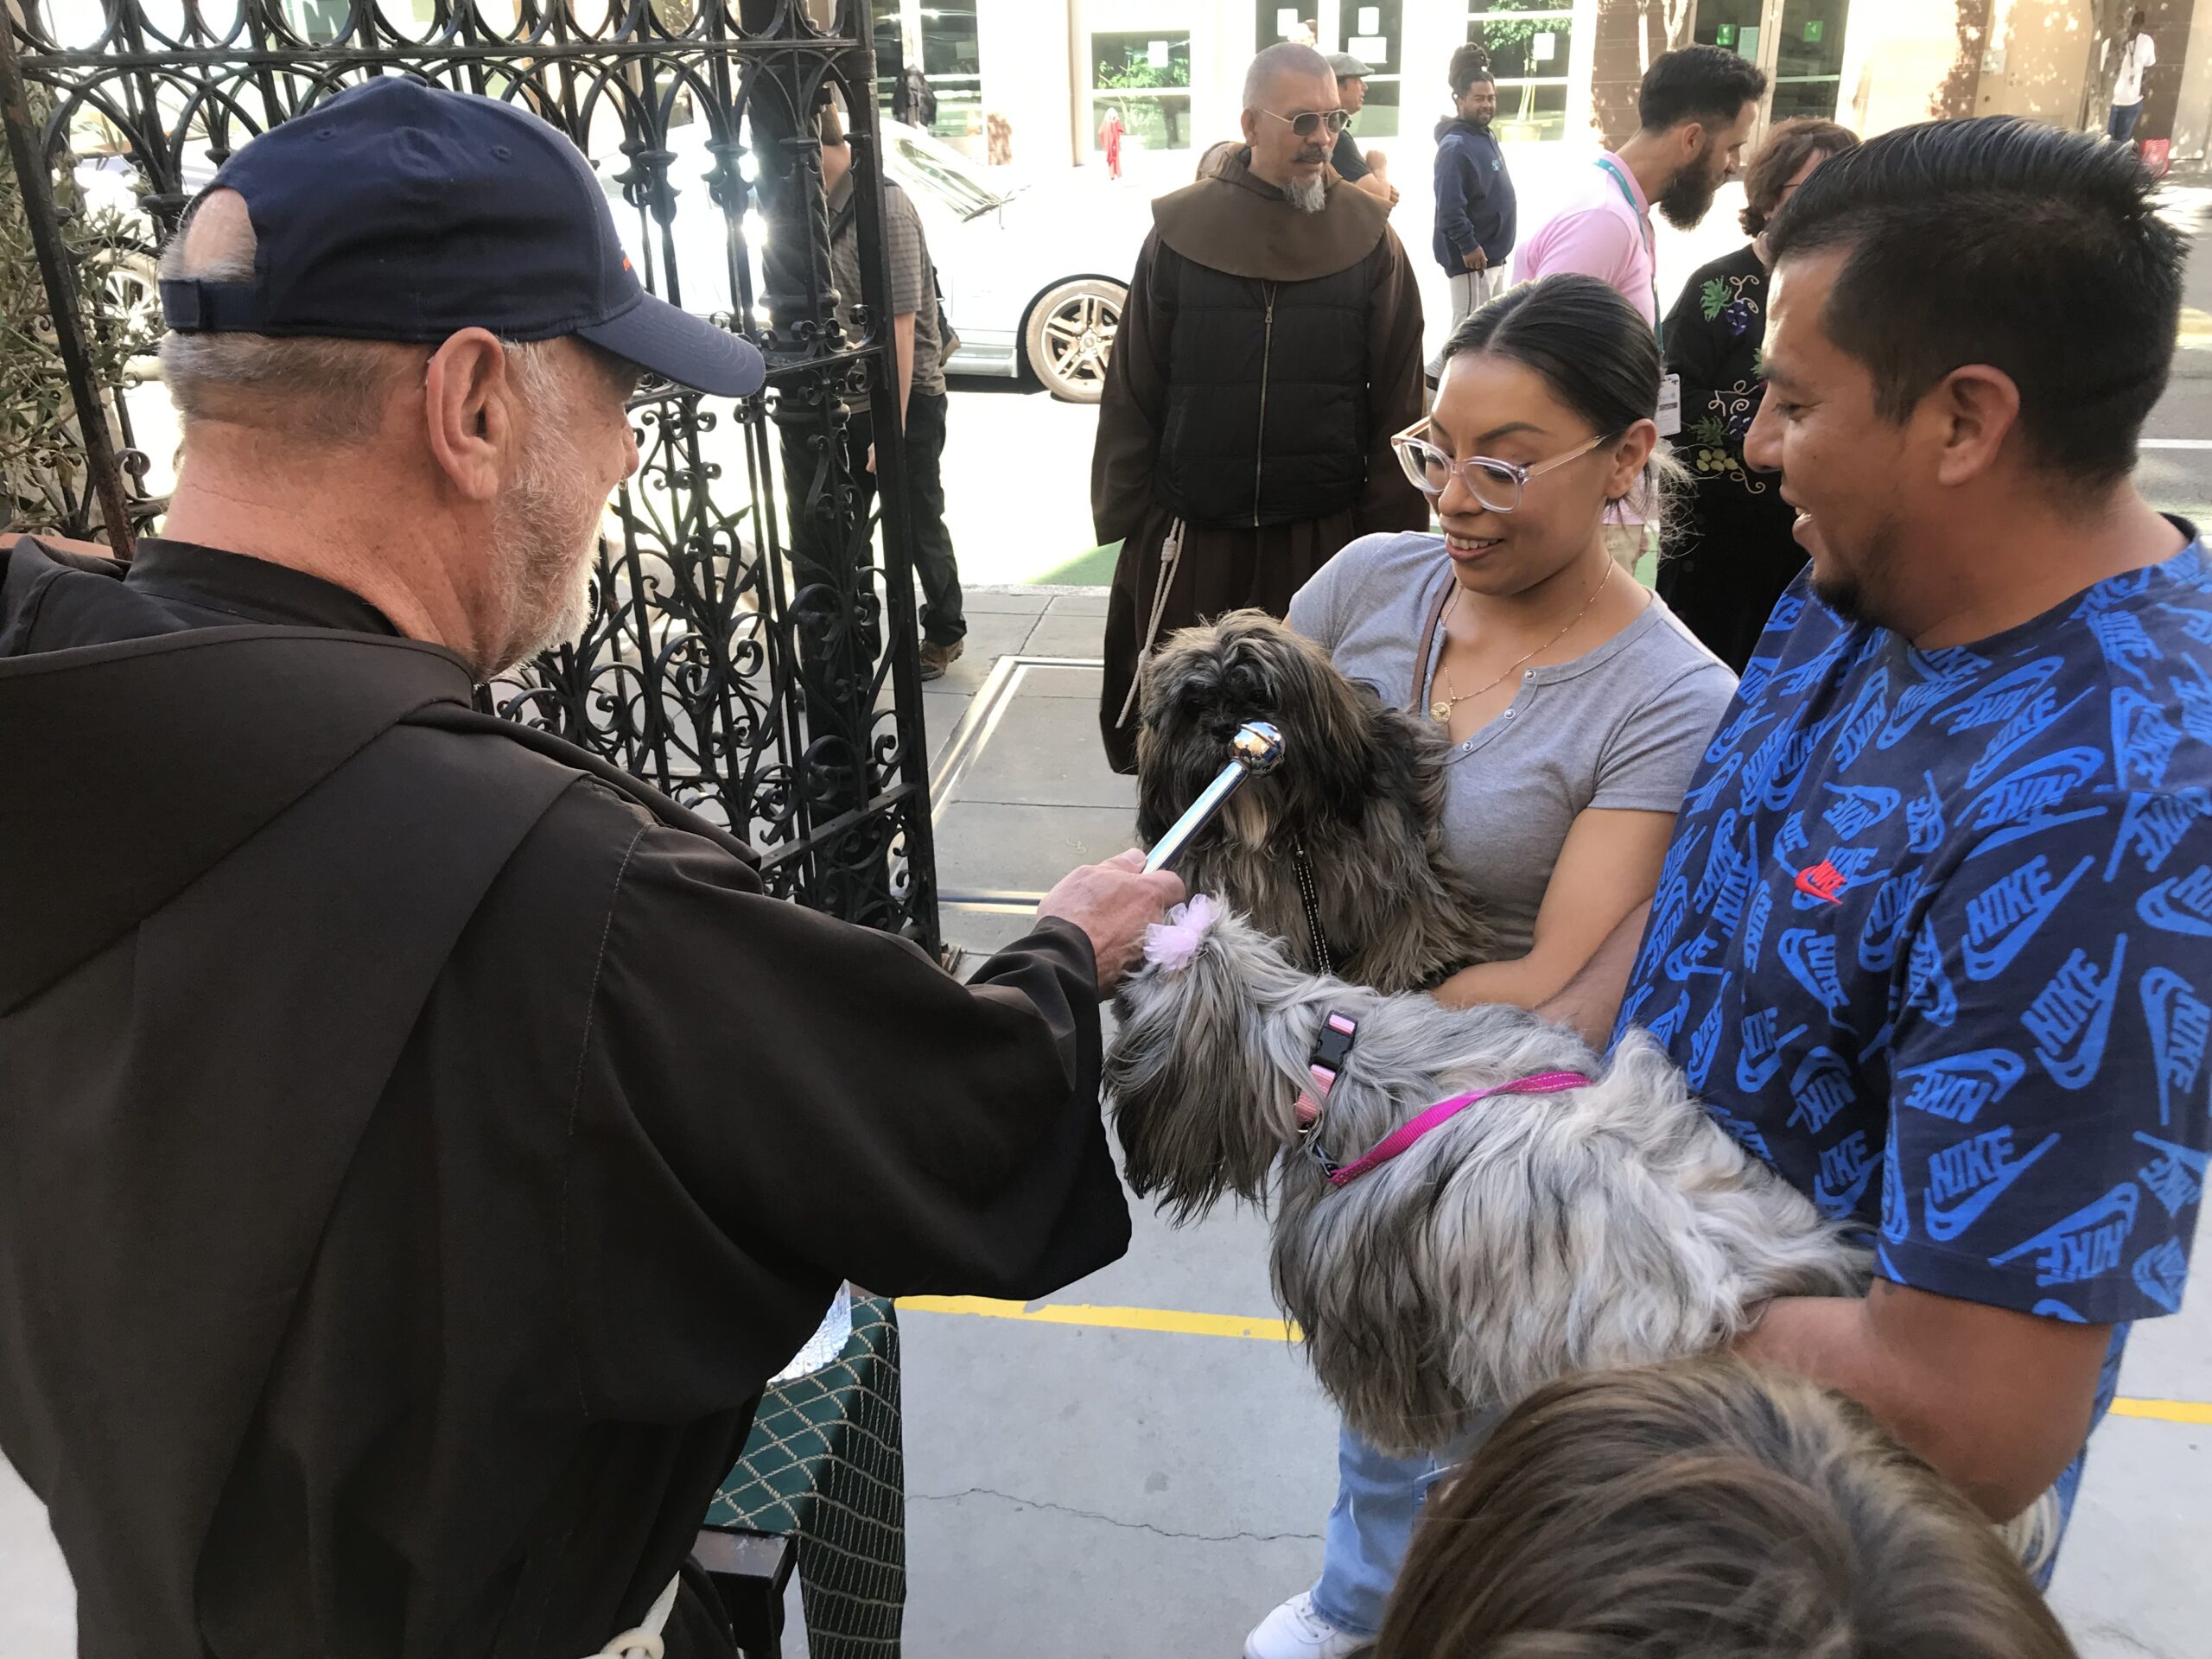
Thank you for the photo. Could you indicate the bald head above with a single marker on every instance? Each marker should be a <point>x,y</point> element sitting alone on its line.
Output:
<point>1277,64</point>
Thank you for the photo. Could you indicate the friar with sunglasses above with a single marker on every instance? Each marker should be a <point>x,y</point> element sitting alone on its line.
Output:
<point>1269,350</point>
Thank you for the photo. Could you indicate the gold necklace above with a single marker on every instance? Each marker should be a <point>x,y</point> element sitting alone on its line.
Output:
<point>1442,708</point>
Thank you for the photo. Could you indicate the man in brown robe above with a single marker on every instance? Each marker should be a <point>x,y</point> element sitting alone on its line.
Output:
<point>1269,350</point>
<point>419,1141</point>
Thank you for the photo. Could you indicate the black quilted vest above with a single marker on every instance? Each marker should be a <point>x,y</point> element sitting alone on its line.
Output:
<point>1266,421</point>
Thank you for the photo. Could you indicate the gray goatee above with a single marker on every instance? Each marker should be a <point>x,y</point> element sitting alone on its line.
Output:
<point>1308,197</point>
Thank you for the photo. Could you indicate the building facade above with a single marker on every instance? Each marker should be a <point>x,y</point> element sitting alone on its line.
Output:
<point>1033,81</point>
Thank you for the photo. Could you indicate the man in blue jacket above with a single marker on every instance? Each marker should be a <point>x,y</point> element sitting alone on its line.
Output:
<point>1475,207</point>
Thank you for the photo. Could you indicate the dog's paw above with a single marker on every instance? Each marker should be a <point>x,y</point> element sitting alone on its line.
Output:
<point>1169,945</point>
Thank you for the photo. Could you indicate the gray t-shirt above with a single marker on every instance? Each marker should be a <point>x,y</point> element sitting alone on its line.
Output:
<point>911,288</point>
<point>1621,727</point>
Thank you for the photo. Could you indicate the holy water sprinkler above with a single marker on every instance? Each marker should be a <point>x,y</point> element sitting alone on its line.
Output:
<point>1255,751</point>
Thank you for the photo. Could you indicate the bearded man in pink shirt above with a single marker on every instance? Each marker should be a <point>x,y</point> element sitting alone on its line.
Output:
<point>1696,107</point>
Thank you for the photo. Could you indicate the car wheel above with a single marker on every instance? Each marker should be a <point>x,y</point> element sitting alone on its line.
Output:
<point>1071,337</point>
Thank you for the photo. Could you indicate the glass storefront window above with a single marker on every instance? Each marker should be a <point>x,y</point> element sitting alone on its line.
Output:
<point>1736,25</point>
<point>1272,24</point>
<point>1146,74</point>
<point>1802,41</point>
<point>1373,34</point>
<point>1809,58</point>
<point>950,60</point>
<point>1531,44</point>
<point>953,61</point>
<point>1370,31</point>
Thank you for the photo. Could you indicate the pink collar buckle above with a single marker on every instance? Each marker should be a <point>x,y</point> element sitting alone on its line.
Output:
<point>1331,1048</point>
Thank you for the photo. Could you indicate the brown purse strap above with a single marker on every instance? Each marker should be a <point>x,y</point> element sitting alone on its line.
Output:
<point>1418,706</point>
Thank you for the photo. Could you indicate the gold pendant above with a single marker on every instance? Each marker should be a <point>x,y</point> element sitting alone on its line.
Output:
<point>1441,710</point>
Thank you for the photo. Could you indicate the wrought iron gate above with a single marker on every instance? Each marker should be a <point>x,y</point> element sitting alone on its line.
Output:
<point>782,699</point>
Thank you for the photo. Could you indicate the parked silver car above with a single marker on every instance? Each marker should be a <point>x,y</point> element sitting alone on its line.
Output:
<point>1035,279</point>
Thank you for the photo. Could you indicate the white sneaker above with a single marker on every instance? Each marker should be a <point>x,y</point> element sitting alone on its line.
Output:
<point>1295,1630</point>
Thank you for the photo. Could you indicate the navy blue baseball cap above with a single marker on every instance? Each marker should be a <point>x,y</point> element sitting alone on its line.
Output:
<point>401,212</point>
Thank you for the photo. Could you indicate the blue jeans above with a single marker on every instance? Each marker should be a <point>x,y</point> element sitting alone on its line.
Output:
<point>2122,123</point>
<point>1378,1498</point>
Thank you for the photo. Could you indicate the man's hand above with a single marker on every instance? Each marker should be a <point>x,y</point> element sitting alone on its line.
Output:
<point>871,457</point>
<point>1114,903</point>
<point>1476,261</point>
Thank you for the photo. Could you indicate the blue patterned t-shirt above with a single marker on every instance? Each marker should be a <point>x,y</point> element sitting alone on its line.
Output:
<point>1934,938</point>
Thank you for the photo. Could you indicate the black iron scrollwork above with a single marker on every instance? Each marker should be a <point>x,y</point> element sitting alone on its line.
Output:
<point>781,699</point>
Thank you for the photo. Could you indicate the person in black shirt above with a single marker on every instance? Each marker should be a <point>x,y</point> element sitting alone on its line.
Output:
<point>1370,169</point>
<point>1735,554</point>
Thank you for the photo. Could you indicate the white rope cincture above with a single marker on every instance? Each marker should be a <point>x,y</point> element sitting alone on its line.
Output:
<point>1171,554</point>
<point>645,1642</point>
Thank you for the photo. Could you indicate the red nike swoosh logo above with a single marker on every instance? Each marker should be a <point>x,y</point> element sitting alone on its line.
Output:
<point>1821,880</point>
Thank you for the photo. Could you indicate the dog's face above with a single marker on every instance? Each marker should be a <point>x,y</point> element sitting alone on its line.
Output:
<point>1205,682</point>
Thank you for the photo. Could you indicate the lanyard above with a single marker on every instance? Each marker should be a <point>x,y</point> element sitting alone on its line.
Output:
<point>1650,249</point>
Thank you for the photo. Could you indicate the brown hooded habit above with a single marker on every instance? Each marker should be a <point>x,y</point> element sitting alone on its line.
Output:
<point>1265,358</point>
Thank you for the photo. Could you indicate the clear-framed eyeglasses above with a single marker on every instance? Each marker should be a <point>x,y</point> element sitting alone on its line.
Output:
<point>1307,123</point>
<point>1496,484</point>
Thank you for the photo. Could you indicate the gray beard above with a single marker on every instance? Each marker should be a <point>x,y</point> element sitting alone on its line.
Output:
<point>1308,198</point>
<point>544,549</point>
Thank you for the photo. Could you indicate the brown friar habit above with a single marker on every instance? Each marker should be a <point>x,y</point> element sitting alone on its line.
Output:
<point>419,1143</point>
<point>1242,229</point>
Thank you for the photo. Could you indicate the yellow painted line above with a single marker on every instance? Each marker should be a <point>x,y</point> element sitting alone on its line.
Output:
<point>2165,1411</point>
<point>2195,324</point>
<point>1107,1319</point>
<point>1174,1322</point>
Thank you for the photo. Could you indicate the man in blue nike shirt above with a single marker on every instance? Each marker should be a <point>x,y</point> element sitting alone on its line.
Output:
<point>1934,935</point>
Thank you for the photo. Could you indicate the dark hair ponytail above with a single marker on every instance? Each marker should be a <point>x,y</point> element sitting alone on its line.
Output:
<point>1593,349</point>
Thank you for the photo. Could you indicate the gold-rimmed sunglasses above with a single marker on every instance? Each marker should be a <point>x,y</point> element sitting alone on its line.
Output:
<point>1496,484</point>
<point>1307,123</point>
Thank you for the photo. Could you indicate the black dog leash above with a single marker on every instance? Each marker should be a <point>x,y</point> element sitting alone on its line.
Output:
<point>1303,869</point>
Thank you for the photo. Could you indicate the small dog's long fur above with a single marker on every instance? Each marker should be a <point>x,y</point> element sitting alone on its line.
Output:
<point>1529,1237</point>
<point>1360,788</point>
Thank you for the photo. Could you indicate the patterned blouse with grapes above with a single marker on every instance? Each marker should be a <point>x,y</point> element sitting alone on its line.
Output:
<point>1731,553</point>
<point>1732,305</point>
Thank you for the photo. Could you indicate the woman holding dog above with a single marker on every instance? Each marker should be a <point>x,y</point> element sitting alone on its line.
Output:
<point>1578,706</point>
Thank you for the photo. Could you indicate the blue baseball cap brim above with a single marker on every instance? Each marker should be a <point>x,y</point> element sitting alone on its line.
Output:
<point>678,346</point>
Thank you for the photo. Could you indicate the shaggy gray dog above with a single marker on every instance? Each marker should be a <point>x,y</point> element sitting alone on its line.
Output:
<point>1528,1237</point>
<point>1351,818</point>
